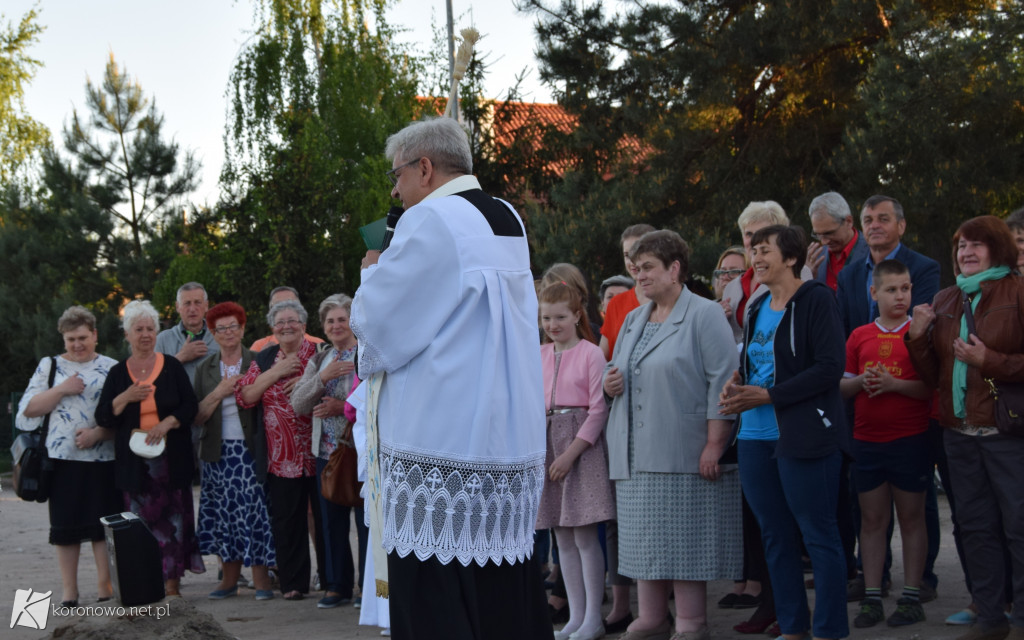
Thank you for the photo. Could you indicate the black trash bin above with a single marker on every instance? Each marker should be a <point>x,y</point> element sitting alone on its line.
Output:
<point>134,555</point>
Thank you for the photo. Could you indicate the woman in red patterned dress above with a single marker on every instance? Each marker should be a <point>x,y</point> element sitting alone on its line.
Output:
<point>291,467</point>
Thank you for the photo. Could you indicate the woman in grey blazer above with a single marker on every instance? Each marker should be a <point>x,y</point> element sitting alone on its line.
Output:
<point>679,508</point>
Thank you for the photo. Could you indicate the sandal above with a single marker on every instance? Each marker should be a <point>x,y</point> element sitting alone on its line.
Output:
<point>294,595</point>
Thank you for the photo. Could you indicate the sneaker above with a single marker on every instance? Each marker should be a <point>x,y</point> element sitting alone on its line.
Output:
<point>357,602</point>
<point>963,617</point>
<point>908,611</point>
<point>928,593</point>
<point>871,613</point>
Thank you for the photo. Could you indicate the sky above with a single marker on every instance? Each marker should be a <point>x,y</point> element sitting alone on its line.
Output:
<point>182,53</point>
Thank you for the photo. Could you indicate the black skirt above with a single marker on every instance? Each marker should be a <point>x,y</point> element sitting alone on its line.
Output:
<point>80,494</point>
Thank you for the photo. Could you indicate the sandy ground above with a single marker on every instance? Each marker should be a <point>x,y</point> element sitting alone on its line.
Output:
<point>27,561</point>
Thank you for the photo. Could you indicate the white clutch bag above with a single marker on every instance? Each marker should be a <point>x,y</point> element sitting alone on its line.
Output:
<point>137,443</point>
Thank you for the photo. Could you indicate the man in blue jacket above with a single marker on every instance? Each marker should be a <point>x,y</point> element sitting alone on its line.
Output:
<point>883,224</point>
<point>837,243</point>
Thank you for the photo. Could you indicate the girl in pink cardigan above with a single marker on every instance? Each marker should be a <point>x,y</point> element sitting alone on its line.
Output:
<point>577,495</point>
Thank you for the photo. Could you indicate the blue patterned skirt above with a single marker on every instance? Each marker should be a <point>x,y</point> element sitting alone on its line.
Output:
<point>233,519</point>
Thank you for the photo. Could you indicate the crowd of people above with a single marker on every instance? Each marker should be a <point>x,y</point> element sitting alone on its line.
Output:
<point>751,431</point>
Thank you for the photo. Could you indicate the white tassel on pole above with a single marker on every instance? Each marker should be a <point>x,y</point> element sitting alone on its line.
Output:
<point>462,58</point>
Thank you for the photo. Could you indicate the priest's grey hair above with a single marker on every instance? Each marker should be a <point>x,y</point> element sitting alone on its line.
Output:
<point>442,140</point>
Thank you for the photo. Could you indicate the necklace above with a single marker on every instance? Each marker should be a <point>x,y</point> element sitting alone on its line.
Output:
<point>143,366</point>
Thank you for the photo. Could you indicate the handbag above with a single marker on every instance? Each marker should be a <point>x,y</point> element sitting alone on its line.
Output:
<point>1008,397</point>
<point>33,468</point>
<point>138,446</point>
<point>339,481</point>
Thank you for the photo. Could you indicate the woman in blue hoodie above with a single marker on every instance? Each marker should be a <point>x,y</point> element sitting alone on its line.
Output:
<point>792,431</point>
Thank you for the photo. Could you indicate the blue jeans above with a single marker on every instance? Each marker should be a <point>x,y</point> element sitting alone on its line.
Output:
<point>794,497</point>
<point>339,572</point>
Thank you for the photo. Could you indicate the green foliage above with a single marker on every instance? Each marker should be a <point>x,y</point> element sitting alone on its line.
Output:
<point>21,137</point>
<point>961,154</point>
<point>687,111</point>
<point>313,99</point>
<point>132,174</point>
<point>50,246</point>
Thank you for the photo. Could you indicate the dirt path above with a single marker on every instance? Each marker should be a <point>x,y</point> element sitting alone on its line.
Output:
<point>27,561</point>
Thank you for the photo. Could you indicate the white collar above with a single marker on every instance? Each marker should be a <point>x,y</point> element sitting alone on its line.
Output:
<point>896,330</point>
<point>453,186</point>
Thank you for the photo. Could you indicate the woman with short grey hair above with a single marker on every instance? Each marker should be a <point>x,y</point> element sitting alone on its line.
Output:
<point>291,467</point>
<point>151,393</point>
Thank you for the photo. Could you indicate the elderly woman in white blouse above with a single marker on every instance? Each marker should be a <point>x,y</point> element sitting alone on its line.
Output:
<point>82,488</point>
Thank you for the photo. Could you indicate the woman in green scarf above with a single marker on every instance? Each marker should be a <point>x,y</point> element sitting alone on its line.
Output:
<point>985,466</point>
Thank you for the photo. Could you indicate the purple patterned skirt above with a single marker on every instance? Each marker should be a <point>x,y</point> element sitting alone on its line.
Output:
<point>167,511</point>
<point>585,495</point>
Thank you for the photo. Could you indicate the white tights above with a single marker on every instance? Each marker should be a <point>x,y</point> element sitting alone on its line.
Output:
<point>582,566</point>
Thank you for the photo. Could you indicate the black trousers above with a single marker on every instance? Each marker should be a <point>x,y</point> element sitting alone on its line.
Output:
<point>434,601</point>
<point>288,500</point>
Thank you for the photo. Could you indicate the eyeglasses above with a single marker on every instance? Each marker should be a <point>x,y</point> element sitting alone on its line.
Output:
<point>824,235</point>
<point>733,273</point>
<point>287,323</point>
<point>393,174</point>
<point>226,328</point>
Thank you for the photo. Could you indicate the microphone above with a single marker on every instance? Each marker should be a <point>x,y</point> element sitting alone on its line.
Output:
<point>394,213</point>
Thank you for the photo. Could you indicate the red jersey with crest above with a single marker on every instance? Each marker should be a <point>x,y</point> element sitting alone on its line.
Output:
<point>887,416</point>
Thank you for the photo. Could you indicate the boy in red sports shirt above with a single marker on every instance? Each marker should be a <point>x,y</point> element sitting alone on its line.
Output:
<point>890,444</point>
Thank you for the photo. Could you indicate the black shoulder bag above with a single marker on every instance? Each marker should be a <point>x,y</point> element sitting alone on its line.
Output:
<point>1008,397</point>
<point>33,467</point>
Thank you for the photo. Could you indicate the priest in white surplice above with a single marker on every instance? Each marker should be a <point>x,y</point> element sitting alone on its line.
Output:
<point>448,316</point>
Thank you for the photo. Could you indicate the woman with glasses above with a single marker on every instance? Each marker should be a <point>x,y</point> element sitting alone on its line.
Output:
<point>291,467</point>
<point>233,519</point>
<point>731,265</point>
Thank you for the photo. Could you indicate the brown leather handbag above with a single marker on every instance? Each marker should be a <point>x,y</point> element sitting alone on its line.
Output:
<point>339,480</point>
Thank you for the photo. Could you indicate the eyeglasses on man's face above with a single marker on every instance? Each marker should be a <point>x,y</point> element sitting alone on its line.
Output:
<point>825,235</point>
<point>393,175</point>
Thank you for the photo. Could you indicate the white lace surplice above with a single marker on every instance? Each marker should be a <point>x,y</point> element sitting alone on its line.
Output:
<point>450,314</point>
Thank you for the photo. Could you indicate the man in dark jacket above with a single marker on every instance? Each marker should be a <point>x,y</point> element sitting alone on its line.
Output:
<point>883,224</point>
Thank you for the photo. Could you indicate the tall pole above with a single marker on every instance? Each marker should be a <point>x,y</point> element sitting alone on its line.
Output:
<point>451,55</point>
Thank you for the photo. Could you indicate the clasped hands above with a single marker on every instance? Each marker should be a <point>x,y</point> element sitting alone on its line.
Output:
<point>737,398</point>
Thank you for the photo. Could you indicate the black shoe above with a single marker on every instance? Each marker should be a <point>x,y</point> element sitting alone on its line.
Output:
<point>619,625</point>
<point>728,601</point>
<point>871,613</point>
<point>747,601</point>
<point>908,611</point>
